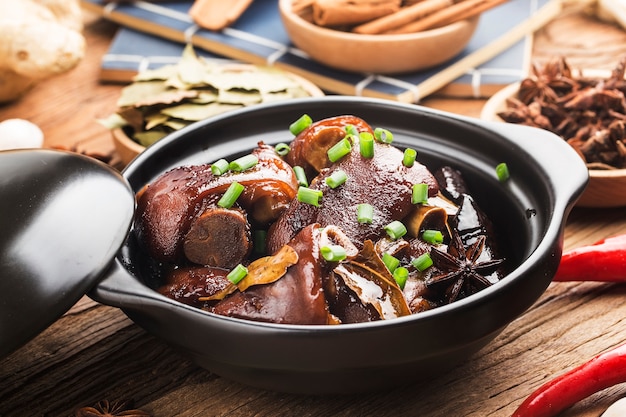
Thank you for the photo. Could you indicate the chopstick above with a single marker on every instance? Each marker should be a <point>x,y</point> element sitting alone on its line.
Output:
<point>540,18</point>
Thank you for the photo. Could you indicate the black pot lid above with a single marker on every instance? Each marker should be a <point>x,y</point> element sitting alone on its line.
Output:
<point>63,217</point>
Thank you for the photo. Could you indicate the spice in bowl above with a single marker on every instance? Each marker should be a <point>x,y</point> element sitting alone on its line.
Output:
<point>588,112</point>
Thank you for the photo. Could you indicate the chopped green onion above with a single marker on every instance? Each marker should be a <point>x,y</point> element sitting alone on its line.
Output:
<point>259,241</point>
<point>383,135</point>
<point>282,149</point>
<point>366,144</point>
<point>219,167</point>
<point>309,196</point>
<point>243,163</point>
<point>432,236</point>
<point>390,261</point>
<point>502,172</point>
<point>401,274</point>
<point>419,193</point>
<point>300,176</point>
<point>339,150</point>
<point>237,274</point>
<point>409,157</point>
<point>395,229</point>
<point>351,130</point>
<point>299,125</point>
<point>365,213</point>
<point>231,195</point>
<point>422,262</point>
<point>333,253</point>
<point>337,178</point>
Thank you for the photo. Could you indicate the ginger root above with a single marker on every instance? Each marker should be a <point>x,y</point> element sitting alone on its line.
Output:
<point>38,39</point>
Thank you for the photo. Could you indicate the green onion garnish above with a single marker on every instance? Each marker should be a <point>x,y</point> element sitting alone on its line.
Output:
<point>333,253</point>
<point>422,262</point>
<point>419,193</point>
<point>219,167</point>
<point>390,261</point>
<point>502,172</point>
<point>282,149</point>
<point>299,125</point>
<point>409,157</point>
<point>401,274</point>
<point>243,163</point>
<point>231,195</point>
<point>432,236</point>
<point>339,150</point>
<point>300,176</point>
<point>237,274</point>
<point>337,178</point>
<point>395,229</point>
<point>351,130</point>
<point>309,196</point>
<point>366,144</point>
<point>383,135</point>
<point>365,213</point>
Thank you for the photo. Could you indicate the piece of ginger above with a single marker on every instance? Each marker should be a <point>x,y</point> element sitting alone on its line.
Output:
<point>38,39</point>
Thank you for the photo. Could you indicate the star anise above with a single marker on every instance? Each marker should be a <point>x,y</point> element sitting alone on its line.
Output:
<point>105,408</point>
<point>463,271</point>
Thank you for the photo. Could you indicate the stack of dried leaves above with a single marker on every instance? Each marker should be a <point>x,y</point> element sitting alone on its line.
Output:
<point>589,113</point>
<point>166,99</point>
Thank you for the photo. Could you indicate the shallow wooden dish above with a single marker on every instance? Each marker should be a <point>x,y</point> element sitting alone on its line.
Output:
<point>606,188</point>
<point>127,148</point>
<point>382,54</point>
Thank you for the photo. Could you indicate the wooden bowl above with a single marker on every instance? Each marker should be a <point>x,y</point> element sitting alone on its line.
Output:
<point>606,188</point>
<point>127,148</point>
<point>382,54</point>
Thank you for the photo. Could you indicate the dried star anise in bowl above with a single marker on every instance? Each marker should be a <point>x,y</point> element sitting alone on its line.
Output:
<point>589,112</point>
<point>587,108</point>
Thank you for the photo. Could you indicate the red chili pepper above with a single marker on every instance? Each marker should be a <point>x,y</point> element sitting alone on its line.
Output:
<point>601,372</point>
<point>604,261</point>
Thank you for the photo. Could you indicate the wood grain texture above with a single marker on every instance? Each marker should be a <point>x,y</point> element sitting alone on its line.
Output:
<point>95,352</point>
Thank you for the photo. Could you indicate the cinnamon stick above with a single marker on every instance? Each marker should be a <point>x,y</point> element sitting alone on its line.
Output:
<point>402,17</point>
<point>462,10</point>
<point>351,12</point>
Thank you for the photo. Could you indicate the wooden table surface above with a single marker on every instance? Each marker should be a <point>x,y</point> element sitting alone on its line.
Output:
<point>95,352</point>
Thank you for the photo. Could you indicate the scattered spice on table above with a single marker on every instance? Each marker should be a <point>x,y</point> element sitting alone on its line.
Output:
<point>588,112</point>
<point>107,408</point>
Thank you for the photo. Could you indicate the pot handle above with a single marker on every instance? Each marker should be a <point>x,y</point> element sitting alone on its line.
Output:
<point>118,288</point>
<point>541,144</point>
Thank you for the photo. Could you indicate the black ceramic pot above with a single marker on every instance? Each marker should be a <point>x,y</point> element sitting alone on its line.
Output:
<point>529,211</point>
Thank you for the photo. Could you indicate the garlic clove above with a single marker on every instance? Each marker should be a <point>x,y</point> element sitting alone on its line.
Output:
<point>20,133</point>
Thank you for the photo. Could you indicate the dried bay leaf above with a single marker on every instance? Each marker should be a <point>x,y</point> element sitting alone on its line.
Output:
<point>191,69</point>
<point>158,74</point>
<point>243,97</point>
<point>155,120</point>
<point>147,138</point>
<point>196,112</point>
<point>169,98</point>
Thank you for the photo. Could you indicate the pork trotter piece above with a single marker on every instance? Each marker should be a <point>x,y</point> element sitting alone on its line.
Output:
<point>219,237</point>
<point>381,181</point>
<point>169,206</point>
<point>296,298</point>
